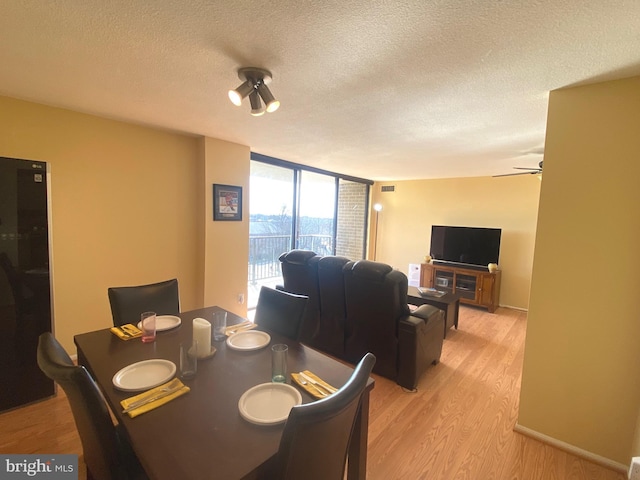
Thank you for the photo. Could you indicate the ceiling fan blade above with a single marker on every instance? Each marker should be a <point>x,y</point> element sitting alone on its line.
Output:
<point>530,171</point>
<point>512,174</point>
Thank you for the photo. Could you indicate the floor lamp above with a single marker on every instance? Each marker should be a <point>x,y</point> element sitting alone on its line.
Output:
<point>378,208</point>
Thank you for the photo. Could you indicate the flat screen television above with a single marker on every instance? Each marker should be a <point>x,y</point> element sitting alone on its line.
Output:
<point>469,246</point>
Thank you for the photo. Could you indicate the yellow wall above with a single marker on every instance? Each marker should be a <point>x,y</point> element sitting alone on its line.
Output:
<point>128,207</point>
<point>582,361</point>
<point>227,242</point>
<point>509,203</point>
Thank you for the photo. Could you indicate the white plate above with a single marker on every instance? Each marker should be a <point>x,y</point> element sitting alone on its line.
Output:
<point>248,340</point>
<point>144,375</point>
<point>165,322</point>
<point>268,403</point>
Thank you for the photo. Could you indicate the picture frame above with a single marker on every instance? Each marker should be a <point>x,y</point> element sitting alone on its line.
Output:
<point>227,202</point>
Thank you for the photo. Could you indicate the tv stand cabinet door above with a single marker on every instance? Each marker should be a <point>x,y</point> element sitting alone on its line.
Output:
<point>426,275</point>
<point>467,285</point>
<point>489,290</point>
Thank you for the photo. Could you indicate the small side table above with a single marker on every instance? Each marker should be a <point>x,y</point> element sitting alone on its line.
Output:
<point>449,302</point>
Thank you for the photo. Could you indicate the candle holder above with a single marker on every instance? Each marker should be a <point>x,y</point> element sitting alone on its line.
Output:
<point>209,355</point>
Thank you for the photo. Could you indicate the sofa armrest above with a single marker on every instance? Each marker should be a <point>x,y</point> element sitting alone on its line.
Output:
<point>419,345</point>
<point>424,311</point>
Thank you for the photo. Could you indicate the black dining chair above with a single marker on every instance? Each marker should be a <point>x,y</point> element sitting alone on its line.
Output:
<point>316,437</point>
<point>280,311</point>
<point>127,303</point>
<point>107,454</point>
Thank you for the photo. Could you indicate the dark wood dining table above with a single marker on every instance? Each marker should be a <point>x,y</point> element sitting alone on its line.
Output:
<point>201,435</point>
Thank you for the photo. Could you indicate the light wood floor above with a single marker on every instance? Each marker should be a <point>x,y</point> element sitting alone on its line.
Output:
<point>459,425</point>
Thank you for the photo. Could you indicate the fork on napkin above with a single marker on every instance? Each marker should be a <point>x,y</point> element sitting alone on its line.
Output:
<point>239,327</point>
<point>147,401</point>
<point>126,332</point>
<point>320,389</point>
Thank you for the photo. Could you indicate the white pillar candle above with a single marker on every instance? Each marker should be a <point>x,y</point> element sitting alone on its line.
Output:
<point>202,335</point>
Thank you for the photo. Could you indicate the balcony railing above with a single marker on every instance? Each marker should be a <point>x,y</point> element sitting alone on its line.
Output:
<point>264,251</point>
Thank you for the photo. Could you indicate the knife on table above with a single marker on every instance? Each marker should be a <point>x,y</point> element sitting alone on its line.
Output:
<point>240,327</point>
<point>153,397</point>
<point>329,390</point>
<point>129,329</point>
<point>124,332</point>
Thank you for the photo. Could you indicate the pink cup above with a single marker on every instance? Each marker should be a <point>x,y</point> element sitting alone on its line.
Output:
<point>148,321</point>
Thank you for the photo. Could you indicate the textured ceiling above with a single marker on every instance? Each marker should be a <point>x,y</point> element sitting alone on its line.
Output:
<point>376,89</point>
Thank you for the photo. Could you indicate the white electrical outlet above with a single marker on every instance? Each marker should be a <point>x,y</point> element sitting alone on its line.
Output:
<point>634,469</point>
<point>241,298</point>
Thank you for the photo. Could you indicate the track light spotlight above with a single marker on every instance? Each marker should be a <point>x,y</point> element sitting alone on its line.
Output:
<point>239,93</point>
<point>255,86</point>
<point>271,103</point>
<point>256,105</point>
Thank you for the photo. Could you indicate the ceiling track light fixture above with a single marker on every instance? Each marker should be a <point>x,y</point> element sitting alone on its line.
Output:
<point>254,86</point>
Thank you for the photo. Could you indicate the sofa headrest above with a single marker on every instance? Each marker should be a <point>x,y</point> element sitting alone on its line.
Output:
<point>297,257</point>
<point>332,262</point>
<point>373,271</point>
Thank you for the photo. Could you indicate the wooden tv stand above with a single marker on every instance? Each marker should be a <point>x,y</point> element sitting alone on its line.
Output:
<point>475,287</point>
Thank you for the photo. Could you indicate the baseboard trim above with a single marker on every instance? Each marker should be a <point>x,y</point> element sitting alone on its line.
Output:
<point>514,308</point>
<point>554,442</point>
<point>499,306</point>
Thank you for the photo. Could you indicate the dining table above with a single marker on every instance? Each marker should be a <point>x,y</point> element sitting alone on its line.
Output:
<point>202,435</point>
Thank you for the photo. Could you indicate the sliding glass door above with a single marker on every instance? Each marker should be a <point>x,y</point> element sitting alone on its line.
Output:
<point>316,214</point>
<point>292,206</point>
<point>271,193</point>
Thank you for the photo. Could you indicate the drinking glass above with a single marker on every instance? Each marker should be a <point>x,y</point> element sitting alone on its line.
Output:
<point>188,360</point>
<point>279,363</point>
<point>219,325</point>
<point>148,321</point>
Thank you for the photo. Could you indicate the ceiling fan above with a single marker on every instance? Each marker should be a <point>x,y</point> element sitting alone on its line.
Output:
<point>531,171</point>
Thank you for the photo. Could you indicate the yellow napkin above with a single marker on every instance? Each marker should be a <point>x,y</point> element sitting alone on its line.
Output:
<point>311,388</point>
<point>178,389</point>
<point>126,332</point>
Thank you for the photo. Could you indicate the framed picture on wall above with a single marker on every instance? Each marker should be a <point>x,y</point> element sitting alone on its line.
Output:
<point>227,202</point>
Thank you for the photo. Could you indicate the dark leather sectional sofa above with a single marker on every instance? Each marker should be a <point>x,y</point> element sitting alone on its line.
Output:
<point>360,307</point>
